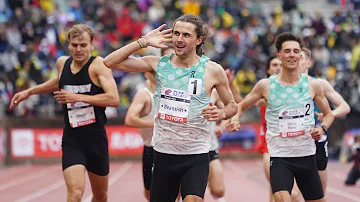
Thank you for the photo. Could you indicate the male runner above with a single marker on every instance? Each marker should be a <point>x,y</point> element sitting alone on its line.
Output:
<point>84,86</point>
<point>184,82</point>
<point>290,123</point>
<point>141,115</point>
<point>342,108</point>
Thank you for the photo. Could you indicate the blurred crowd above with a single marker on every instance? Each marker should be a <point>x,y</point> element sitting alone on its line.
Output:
<point>33,36</point>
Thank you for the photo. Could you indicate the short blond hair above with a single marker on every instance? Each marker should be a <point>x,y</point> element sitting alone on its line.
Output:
<point>79,29</point>
<point>307,52</point>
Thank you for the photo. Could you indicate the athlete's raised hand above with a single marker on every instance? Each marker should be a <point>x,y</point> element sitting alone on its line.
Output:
<point>64,97</point>
<point>19,97</point>
<point>156,37</point>
<point>212,113</point>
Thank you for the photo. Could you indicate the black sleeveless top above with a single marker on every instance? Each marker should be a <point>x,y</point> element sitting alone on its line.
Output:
<point>81,83</point>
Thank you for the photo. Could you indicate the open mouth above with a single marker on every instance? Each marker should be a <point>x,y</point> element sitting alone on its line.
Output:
<point>180,47</point>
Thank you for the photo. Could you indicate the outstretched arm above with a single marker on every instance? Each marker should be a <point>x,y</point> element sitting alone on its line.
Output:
<point>253,97</point>
<point>120,59</point>
<point>46,87</point>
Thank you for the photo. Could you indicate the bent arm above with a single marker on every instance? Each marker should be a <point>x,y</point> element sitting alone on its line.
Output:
<point>121,60</point>
<point>322,104</point>
<point>342,107</point>
<point>222,88</point>
<point>236,94</point>
<point>110,97</point>
<point>46,87</point>
<point>133,115</point>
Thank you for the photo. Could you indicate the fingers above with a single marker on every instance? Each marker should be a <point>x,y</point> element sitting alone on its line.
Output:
<point>166,32</point>
<point>14,101</point>
<point>161,27</point>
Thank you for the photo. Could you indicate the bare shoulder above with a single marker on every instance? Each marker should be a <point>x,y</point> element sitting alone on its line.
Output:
<point>263,83</point>
<point>315,85</point>
<point>142,96</point>
<point>98,65</point>
<point>60,62</point>
<point>214,67</point>
<point>314,82</point>
<point>325,84</point>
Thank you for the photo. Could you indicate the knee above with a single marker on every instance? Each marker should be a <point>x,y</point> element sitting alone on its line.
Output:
<point>218,191</point>
<point>296,196</point>
<point>282,196</point>
<point>75,194</point>
<point>101,196</point>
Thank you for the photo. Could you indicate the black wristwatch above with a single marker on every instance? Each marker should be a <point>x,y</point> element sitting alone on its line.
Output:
<point>324,128</point>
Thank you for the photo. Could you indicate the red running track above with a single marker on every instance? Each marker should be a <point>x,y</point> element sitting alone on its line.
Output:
<point>244,179</point>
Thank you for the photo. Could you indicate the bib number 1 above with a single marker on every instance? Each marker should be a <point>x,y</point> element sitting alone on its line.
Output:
<point>194,86</point>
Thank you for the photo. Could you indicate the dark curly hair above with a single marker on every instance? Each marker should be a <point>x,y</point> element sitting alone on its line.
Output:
<point>287,36</point>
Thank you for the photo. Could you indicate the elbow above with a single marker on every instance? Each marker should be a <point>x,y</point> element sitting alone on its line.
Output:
<point>107,62</point>
<point>129,121</point>
<point>115,102</point>
<point>348,109</point>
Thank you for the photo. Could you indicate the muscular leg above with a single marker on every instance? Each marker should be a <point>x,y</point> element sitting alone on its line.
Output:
<point>216,179</point>
<point>99,187</point>
<point>75,182</point>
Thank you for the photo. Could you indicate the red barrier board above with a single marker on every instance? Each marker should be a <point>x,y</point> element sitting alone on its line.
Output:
<point>46,142</point>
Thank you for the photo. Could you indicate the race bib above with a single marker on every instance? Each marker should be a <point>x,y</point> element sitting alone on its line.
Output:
<point>194,86</point>
<point>80,114</point>
<point>174,105</point>
<point>292,122</point>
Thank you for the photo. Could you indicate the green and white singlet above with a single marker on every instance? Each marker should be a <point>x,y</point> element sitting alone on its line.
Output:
<point>179,99</point>
<point>289,117</point>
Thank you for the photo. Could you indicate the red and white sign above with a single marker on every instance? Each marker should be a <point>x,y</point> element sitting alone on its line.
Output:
<point>46,142</point>
<point>2,144</point>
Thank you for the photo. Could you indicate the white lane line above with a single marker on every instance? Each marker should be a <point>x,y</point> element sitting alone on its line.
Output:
<point>343,194</point>
<point>42,192</point>
<point>24,179</point>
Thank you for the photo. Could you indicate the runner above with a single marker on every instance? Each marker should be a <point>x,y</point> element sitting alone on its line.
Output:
<point>290,123</point>
<point>342,108</point>
<point>184,81</point>
<point>84,86</point>
<point>216,174</point>
<point>141,115</point>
